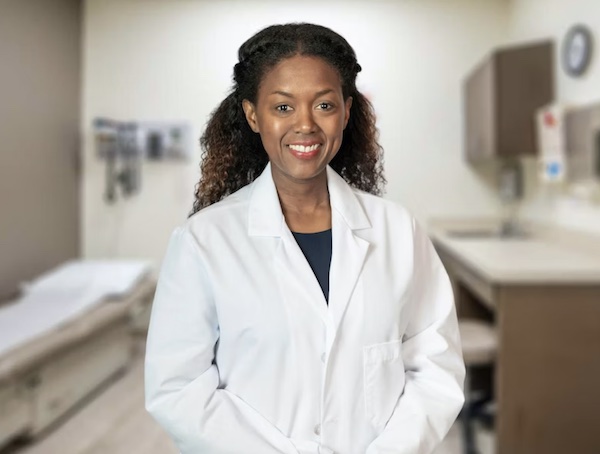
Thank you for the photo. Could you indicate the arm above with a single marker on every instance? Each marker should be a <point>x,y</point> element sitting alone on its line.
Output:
<point>433,394</point>
<point>180,374</point>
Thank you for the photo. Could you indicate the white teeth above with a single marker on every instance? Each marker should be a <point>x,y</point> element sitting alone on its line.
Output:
<point>303,149</point>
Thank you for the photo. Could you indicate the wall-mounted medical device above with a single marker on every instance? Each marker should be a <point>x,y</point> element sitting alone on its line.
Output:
<point>124,144</point>
<point>162,140</point>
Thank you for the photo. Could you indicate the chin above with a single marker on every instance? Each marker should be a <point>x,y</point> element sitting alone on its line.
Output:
<point>306,174</point>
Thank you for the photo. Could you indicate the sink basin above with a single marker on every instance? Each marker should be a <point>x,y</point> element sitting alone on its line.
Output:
<point>483,233</point>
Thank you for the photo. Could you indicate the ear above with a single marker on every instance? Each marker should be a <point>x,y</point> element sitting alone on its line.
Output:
<point>250,112</point>
<point>347,106</point>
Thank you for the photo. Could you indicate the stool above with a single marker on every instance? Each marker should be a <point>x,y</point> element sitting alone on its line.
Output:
<point>479,347</point>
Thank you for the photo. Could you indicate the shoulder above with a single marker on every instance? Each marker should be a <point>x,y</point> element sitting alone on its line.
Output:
<point>381,210</point>
<point>221,215</point>
<point>395,228</point>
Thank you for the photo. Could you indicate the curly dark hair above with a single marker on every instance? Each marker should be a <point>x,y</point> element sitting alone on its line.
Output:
<point>233,155</point>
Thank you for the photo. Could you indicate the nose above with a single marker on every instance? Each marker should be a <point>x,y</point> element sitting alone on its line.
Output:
<point>305,122</point>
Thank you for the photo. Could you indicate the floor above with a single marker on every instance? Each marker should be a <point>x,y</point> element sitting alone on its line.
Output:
<point>114,421</point>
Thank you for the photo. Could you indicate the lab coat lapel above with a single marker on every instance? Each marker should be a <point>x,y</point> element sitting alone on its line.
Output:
<point>297,277</point>
<point>294,274</point>
<point>349,250</point>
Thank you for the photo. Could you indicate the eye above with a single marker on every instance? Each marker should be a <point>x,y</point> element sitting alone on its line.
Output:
<point>325,106</point>
<point>282,108</point>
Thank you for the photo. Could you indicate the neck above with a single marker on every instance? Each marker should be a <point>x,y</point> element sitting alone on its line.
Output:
<point>305,205</point>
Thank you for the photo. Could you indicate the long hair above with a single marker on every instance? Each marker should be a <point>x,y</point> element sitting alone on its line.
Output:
<point>233,155</point>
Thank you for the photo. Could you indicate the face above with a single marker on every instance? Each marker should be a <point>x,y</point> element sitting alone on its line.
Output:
<point>300,114</point>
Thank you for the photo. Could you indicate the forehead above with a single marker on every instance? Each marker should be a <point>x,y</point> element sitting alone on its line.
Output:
<point>300,74</point>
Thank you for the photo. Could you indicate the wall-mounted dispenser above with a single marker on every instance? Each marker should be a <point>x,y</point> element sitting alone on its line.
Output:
<point>550,121</point>
<point>582,131</point>
<point>123,145</point>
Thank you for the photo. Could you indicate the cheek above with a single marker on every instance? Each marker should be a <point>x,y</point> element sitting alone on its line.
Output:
<point>335,127</point>
<point>273,131</point>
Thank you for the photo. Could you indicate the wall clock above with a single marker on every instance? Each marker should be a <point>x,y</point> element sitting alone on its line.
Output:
<point>577,50</point>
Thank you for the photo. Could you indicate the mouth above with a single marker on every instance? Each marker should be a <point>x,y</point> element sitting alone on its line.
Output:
<point>305,151</point>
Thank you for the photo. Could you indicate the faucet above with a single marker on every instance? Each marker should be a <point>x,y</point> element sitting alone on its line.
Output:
<point>511,192</point>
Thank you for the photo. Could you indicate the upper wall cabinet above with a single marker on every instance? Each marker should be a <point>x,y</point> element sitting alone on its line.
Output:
<point>501,97</point>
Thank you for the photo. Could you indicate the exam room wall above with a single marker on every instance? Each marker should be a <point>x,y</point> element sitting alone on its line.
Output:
<point>40,72</point>
<point>173,60</point>
<point>540,19</point>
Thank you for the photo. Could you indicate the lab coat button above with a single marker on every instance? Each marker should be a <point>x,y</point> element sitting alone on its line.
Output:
<point>318,429</point>
<point>323,358</point>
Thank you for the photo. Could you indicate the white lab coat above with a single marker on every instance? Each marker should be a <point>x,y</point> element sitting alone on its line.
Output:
<point>245,356</point>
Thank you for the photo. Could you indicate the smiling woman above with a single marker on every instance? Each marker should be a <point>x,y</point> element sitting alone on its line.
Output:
<point>296,311</point>
<point>300,114</point>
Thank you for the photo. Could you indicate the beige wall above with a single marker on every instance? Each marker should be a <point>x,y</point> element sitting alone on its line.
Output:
<point>174,59</point>
<point>39,131</point>
<point>533,19</point>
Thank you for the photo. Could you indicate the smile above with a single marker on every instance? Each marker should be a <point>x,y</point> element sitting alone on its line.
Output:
<point>305,149</point>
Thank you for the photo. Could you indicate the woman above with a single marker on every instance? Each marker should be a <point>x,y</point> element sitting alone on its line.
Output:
<point>297,311</point>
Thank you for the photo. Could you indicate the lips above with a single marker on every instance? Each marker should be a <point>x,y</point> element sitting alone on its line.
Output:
<point>305,150</point>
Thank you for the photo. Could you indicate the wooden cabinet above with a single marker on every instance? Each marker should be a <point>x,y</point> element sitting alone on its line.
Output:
<point>547,369</point>
<point>501,97</point>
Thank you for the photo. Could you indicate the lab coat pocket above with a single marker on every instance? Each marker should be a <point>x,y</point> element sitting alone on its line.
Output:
<point>384,380</point>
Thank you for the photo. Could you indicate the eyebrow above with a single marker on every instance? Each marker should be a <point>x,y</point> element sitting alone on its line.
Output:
<point>289,95</point>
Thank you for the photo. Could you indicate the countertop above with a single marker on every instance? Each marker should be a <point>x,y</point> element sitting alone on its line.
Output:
<point>546,255</point>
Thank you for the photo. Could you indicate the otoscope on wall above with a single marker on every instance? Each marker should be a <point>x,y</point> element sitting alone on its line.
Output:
<point>116,142</point>
<point>123,144</point>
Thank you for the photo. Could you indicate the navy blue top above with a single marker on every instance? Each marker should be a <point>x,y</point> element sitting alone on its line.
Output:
<point>317,250</point>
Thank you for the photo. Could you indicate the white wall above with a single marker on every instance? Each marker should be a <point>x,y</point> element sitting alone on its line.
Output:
<point>534,19</point>
<point>174,60</point>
